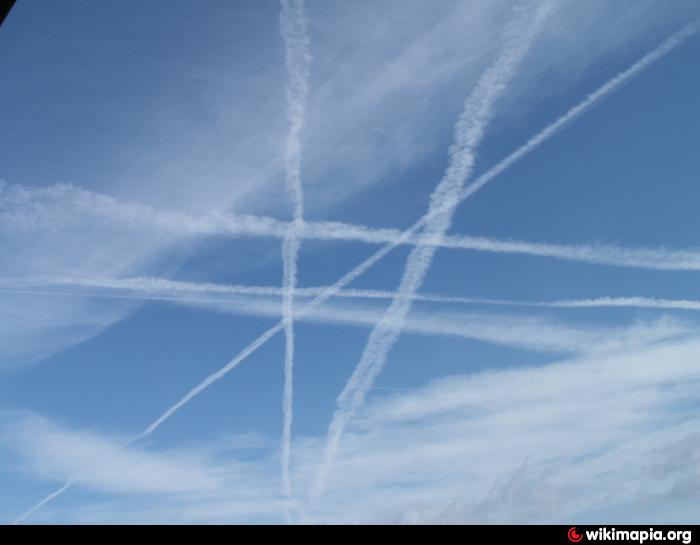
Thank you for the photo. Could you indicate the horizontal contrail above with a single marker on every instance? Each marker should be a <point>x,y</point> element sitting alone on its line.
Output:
<point>176,223</point>
<point>405,237</point>
<point>181,292</point>
<point>527,332</point>
<point>149,288</point>
<point>634,302</point>
<point>159,289</point>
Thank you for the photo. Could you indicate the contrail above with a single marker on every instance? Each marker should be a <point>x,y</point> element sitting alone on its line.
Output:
<point>70,482</point>
<point>293,25</point>
<point>247,351</point>
<point>599,254</point>
<point>23,208</point>
<point>46,500</point>
<point>665,48</point>
<point>532,333</point>
<point>16,211</point>
<point>406,236</point>
<point>635,302</point>
<point>469,132</point>
<point>148,288</point>
<point>159,289</point>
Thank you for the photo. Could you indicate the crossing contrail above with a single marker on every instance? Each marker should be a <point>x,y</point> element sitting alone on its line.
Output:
<point>241,356</point>
<point>406,236</point>
<point>384,337</point>
<point>469,132</point>
<point>293,25</point>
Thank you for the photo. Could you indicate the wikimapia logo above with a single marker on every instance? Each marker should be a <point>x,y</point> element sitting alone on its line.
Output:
<point>638,536</point>
<point>573,535</point>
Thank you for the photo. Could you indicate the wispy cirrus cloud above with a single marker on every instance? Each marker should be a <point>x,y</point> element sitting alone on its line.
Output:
<point>533,143</point>
<point>601,438</point>
<point>531,332</point>
<point>527,332</point>
<point>56,208</point>
<point>190,164</point>
<point>118,238</point>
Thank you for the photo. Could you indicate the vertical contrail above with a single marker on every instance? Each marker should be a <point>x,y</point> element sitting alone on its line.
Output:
<point>293,25</point>
<point>407,235</point>
<point>469,131</point>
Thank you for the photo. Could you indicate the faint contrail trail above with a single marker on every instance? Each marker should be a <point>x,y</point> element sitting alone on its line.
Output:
<point>532,333</point>
<point>404,237</point>
<point>635,302</point>
<point>148,288</point>
<point>469,132</point>
<point>293,25</point>
<point>46,500</point>
<point>70,482</point>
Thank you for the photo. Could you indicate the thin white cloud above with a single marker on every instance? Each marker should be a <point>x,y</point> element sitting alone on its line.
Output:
<point>570,435</point>
<point>177,473</point>
<point>634,302</point>
<point>55,207</point>
<point>529,332</point>
<point>526,332</point>
<point>593,439</point>
<point>161,289</point>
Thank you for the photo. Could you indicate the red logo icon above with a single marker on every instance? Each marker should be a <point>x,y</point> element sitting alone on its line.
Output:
<point>574,536</point>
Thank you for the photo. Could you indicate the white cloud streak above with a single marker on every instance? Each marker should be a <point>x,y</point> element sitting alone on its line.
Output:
<point>469,131</point>
<point>160,289</point>
<point>528,147</point>
<point>53,207</point>
<point>601,438</point>
<point>294,28</point>
<point>232,364</point>
<point>526,332</point>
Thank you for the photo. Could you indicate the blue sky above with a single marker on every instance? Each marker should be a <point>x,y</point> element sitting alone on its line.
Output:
<point>145,162</point>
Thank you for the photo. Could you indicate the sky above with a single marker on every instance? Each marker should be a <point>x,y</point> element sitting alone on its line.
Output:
<point>178,180</point>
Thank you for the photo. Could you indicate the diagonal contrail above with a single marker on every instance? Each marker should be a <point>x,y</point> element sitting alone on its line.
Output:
<point>469,132</point>
<point>532,144</point>
<point>383,337</point>
<point>240,357</point>
<point>293,25</point>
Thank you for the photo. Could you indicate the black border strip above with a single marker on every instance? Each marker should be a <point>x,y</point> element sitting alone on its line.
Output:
<point>5,7</point>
